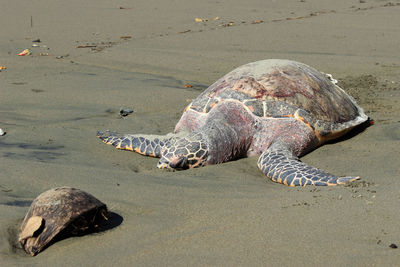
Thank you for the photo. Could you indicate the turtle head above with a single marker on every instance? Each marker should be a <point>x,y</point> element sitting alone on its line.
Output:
<point>184,153</point>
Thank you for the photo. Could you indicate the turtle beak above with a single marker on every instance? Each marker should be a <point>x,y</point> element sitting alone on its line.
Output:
<point>179,163</point>
<point>176,162</point>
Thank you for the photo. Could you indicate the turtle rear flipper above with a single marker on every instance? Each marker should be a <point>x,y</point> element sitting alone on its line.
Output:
<point>285,168</point>
<point>147,145</point>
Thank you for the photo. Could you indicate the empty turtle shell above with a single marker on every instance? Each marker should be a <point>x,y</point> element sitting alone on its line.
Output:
<point>59,209</point>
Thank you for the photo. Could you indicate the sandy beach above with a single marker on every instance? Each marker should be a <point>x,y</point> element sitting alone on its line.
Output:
<point>95,57</point>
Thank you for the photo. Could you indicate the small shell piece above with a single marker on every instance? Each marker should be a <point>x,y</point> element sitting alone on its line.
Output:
<point>26,52</point>
<point>66,209</point>
<point>33,224</point>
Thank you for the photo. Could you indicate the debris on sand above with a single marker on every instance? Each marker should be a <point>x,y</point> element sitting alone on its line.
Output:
<point>86,46</point>
<point>200,20</point>
<point>125,112</point>
<point>257,21</point>
<point>121,7</point>
<point>26,52</point>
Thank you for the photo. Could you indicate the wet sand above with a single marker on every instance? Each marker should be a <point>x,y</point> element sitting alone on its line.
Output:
<point>52,106</point>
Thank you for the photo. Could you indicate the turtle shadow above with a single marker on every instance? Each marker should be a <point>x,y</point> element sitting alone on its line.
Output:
<point>353,132</point>
<point>112,221</point>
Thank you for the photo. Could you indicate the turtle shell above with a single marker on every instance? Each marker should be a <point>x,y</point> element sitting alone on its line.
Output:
<point>56,210</point>
<point>282,88</point>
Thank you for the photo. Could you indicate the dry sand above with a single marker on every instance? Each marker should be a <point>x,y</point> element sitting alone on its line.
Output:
<point>229,214</point>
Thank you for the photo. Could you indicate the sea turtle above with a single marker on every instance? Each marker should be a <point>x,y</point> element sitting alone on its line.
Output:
<point>277,109</point>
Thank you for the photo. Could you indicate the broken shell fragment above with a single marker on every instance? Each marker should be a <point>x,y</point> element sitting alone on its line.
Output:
<point>60,210</point>
<point>330,77</point>
<point>32,225</point>
<point>26,52</point>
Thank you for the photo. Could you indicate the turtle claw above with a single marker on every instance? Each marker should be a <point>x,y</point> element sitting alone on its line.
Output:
<point>106,136</point>
<point>347,179</point>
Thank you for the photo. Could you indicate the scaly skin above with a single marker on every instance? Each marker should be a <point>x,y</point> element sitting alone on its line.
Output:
<point>281,166</point>
<point>147,145</point>
<point>201,147</point>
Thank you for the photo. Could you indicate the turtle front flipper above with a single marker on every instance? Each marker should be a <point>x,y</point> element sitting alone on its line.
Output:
<point>281,166</point>
<point>147,145</point>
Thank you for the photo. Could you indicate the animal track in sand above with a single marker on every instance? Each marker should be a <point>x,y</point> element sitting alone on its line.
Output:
<point>219,24</point>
